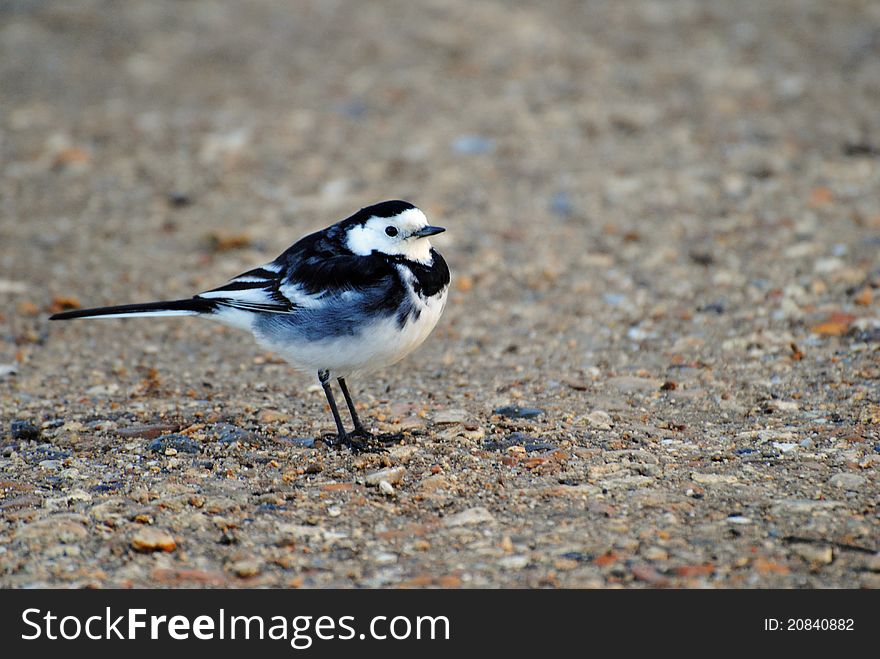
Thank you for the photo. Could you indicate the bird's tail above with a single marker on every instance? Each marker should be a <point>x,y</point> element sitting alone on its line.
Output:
<point>192,307</point>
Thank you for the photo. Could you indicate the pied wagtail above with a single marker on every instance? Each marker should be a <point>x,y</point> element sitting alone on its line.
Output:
<point>357,296</point>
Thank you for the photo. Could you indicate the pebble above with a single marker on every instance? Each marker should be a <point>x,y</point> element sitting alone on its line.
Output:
<point>302,442</point>
<point>847,481</point>
<point>248,567</point>
<point>180,443</point>
<point>515,562</point>
<point>815,554</point>
<point>655,553</point>
<point>386,488</point>
<point>149,539</point>
<point>148,431</point>
<point>25,431</point>
<point>403,453</point>
<point>66,501</point>
<point>62,527</point>
<point>226,433</point>
<point>626,483</point>
<point>389,475</point>
<point>561,204</point>
<point>600,419</point>
<point>789,506</point>
<point>450,416</point>
<point>476,515</point>
<point>473,144</point>
<point>516,412</point>
<point>629,384</point>
<point>519,441</point>
<point>713,479</point>
<point>272,416</point>
<point>434,482</point>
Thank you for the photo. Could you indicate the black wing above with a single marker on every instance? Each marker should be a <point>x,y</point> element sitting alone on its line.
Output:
<point>255,290</point>
<point>319,264</point>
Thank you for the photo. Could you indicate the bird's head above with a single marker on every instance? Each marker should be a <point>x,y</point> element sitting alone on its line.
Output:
<point>393,228</point>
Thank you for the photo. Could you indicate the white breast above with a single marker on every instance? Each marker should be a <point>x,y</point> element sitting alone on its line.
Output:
<point>378,344</point>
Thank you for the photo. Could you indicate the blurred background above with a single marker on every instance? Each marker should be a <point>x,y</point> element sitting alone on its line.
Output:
<point>641,155</point>
<point>667,211</point>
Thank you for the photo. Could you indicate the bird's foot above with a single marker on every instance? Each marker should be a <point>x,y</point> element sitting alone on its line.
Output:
<point>361,440</point>
<point>357,442</point>
<point>363,433</point>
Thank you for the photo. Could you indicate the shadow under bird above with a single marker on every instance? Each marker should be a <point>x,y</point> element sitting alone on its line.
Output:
<point>359,295</point>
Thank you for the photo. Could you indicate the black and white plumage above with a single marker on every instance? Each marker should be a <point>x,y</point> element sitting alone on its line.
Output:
<point>357,296</point>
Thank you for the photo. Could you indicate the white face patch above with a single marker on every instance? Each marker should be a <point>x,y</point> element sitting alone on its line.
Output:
<point>373,235</point>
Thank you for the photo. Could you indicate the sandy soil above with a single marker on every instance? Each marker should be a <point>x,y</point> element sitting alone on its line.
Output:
<point>664,224</point>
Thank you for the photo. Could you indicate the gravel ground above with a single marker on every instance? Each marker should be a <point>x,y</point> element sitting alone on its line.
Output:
<point>664,225</point>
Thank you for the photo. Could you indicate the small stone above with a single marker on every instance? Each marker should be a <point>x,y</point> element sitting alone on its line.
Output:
<point>149,539</point>
<point>450,416</point>
<point>272,416</point>
<point>177,199</point>
<point>58,528</point>
<point>179,443</point>
<point>847,481</point>
<point>626,483</point>
<point>816,555</point>
<point>25,431</point>
<point>403,453</point>
<point>477,515</point>
<point>515,562</point>
<point>409,423</point>
<point>864,297</point>
<point>473,434</point>
<point>473,144</point>
<point>783,406</point>
<point>561,204</point>
<point>299,442</point>
<point>655,553</point>
<point>226,433</point>
<point>386,488</point>
<point>432,483</point>
<point>630,384</point>
<point>248,567</point>
<point>713,479</point>
<point>148,431</point>
<point>600,419</point>
<point>802,506</point>
<point>516,412</point>
<point>390,475</point>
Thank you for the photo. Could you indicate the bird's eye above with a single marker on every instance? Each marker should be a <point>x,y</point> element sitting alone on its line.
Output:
<point>391,231</point>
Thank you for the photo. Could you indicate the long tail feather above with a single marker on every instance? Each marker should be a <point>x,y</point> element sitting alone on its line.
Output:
<point>191,307</point>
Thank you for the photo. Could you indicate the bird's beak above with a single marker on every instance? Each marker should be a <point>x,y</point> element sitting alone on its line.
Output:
<point>424,232</point>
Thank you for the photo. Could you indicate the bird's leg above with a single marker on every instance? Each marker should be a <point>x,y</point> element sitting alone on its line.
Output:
<point>324,379</point>
<point>342,437</point>
<point>358,426</point>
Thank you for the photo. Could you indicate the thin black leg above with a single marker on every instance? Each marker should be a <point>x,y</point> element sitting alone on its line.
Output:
<point>358,426</point>
<point>324,378</point>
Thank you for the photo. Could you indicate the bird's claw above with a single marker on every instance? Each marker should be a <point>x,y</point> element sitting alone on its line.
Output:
<point>361,440</point>
<point>350,440</point>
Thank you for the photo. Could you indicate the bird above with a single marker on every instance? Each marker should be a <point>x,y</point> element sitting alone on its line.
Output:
<point>358,296</point>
